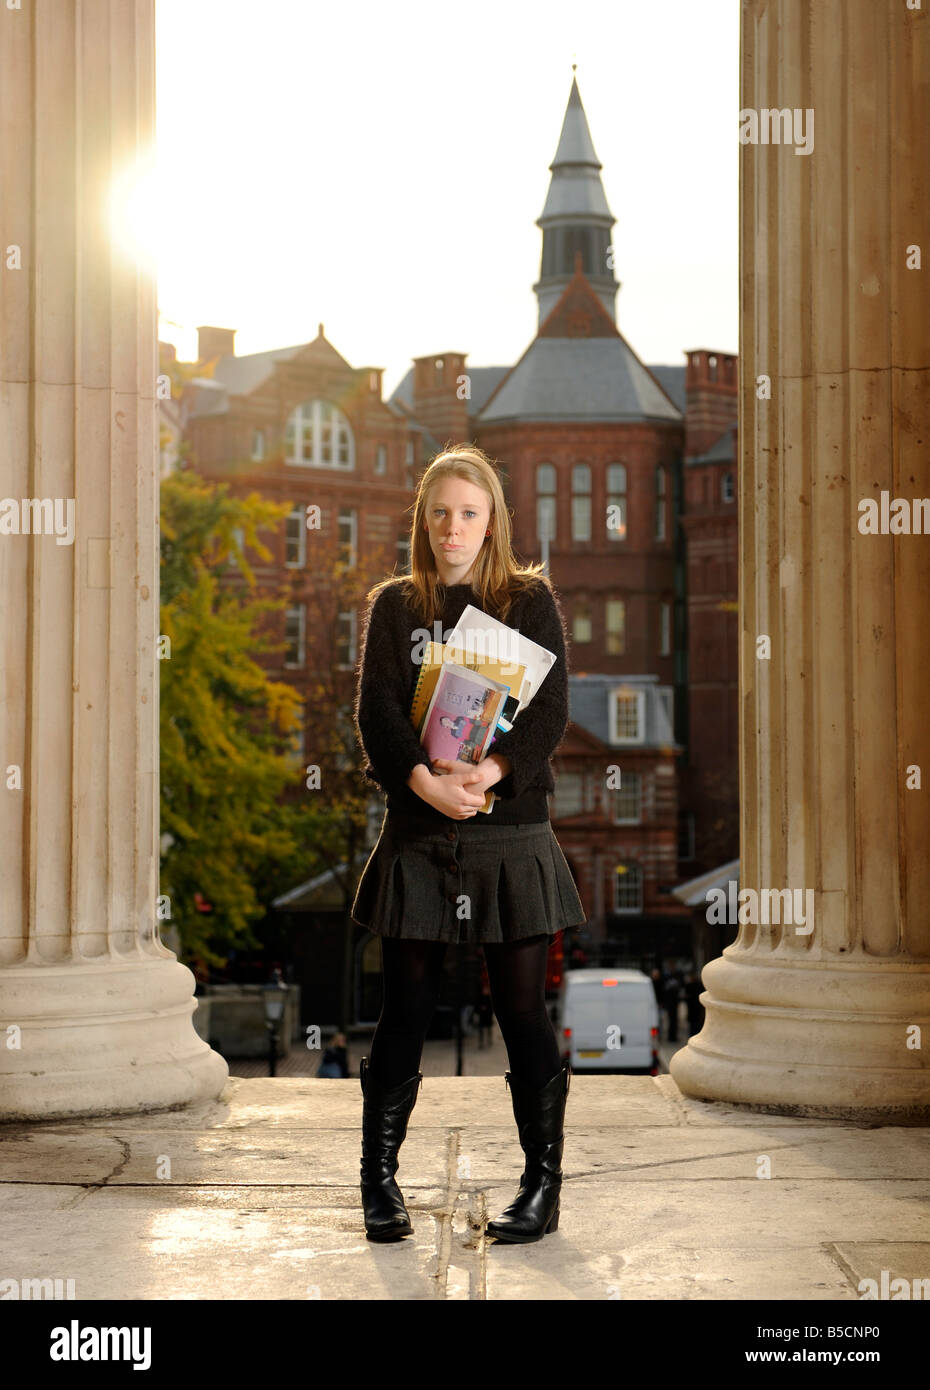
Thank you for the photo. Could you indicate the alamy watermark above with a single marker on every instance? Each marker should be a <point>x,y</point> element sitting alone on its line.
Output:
<point>794,906</point>
<point>771,126</point>
<point>38,516</point>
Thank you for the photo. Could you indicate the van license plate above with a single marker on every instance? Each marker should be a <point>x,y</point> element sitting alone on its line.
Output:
<point>598,1052</point>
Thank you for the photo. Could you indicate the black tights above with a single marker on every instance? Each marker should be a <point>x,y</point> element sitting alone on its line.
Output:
<point>517,976</point>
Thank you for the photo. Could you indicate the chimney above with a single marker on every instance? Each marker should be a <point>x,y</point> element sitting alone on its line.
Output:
<point>439,395</point>
<point>711,398</point>
<point>215,342</point>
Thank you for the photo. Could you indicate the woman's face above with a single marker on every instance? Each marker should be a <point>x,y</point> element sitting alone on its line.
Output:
<point>457,515</point>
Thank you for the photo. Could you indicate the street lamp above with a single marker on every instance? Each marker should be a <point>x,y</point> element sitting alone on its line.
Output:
<point>275,998</point>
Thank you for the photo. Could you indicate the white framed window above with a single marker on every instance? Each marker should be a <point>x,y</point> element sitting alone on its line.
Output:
<point>318,435</point>
<point>346,647</point>
<point>403,552</point>
<point>727,492</point>
<point>295,622</point>
<point>258,445</point>
<point>628,799</point>
<point>660,504</point>
<point>410,462</point>
<point>627,715</point>
<point>665,628</point>
<point>381,459</point>
<point>615,626</point>
<point>295,540</point>
<point>628,887</point>
<point>581,622</point>
<point>569,797</point>
<point>348,537</point>
<point>616,502</point>
<point>545,501</point>
<point>581,502</point>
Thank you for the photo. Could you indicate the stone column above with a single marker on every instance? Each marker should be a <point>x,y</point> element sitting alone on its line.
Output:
<point>835,311</point>
<point>95,1013</point>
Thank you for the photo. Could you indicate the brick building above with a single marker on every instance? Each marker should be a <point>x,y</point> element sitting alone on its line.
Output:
<point>619,474</point>
<point>602,456</point>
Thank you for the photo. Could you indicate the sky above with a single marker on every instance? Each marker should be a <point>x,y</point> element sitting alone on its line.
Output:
<point>380,168</point>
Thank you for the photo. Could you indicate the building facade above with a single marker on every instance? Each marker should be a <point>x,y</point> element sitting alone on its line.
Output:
<point>619,475</point>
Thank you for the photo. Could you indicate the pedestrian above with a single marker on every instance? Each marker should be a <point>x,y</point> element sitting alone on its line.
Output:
<point>442,871</point>
<point>484,1013</point>
<point>671,998</point>
<point>656,976</point>
<point>335,1060</point>
<point>695,1008</point>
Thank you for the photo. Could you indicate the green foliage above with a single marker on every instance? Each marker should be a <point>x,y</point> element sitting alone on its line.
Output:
<point>225,726</point>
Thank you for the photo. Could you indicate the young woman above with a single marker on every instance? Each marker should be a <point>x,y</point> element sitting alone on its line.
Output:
<point>441,872</point>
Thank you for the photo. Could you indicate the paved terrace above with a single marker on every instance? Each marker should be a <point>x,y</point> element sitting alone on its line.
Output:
<point>256,1196</point>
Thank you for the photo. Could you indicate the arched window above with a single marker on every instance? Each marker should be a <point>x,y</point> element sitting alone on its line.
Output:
<point>319,436</point>
<point>660,503</point>
<point>545,501</point>
<point>616,502</point>
<point>726,488</point>
<point>581,502</point>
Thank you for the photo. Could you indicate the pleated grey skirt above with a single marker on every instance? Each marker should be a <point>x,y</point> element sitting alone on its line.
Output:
<point>466,882</point>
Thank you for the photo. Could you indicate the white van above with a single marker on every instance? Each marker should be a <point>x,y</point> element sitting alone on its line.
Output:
<point>609,1021</point>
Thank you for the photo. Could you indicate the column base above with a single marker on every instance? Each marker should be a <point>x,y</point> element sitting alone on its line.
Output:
<point>102,1037</point>
<point>816,1040</point>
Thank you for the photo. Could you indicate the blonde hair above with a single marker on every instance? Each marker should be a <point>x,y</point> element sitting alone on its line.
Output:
<point>496,577</point>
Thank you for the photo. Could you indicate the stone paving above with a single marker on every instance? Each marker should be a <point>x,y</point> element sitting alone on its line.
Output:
<point>256,1196</point>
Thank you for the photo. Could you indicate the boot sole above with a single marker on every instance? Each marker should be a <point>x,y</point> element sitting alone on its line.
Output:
<point>393,1233</point>
<point>512,1238</point>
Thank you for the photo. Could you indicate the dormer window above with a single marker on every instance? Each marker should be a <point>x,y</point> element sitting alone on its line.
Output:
<point>627,715</point>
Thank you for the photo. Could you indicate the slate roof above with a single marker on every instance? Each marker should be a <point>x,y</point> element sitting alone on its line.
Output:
<point>723,451</point>
<point>575,189</point>
<point>580,379</point>
<point>483,382</point>
<point>694,890</point>
<point>228,375</point>
<point>588,707</point>
<point>672,377</point>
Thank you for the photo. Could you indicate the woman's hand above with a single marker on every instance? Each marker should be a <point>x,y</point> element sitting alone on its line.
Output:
<point>462,781</point>
<point>480,776</point>
<point>458,796</point>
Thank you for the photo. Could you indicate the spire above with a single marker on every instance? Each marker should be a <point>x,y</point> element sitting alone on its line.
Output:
<point>576,217</point>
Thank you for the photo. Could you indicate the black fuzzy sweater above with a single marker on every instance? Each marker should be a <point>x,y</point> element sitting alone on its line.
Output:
<point>386,684</point>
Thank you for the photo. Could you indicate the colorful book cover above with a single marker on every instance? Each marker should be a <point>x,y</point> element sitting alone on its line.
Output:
<point>477,633</point>
<point>438,654</point>
<point>462,717</point>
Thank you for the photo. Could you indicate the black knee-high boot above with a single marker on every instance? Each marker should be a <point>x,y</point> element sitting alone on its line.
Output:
<point>540,1116</point>
<point>384,1127</point>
